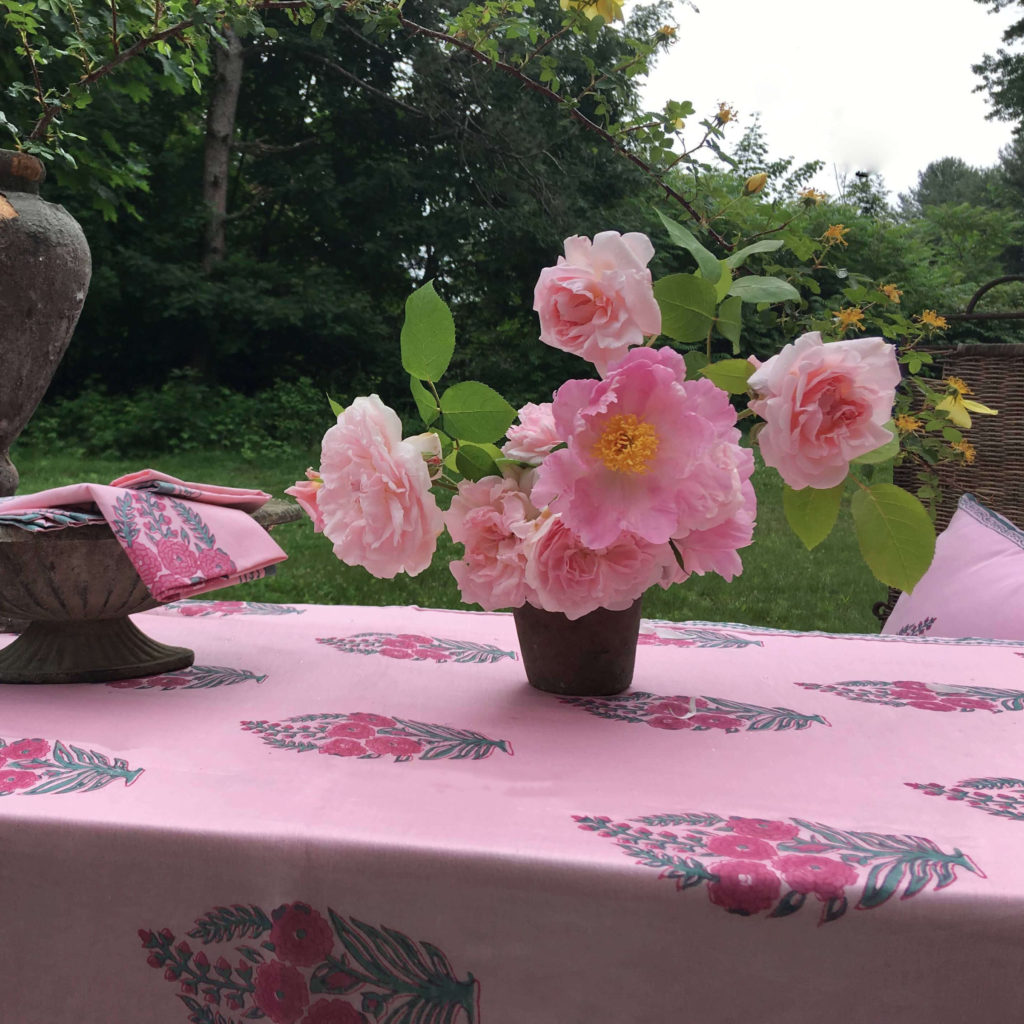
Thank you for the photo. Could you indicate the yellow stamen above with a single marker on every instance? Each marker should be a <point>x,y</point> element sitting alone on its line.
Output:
<point>627,444</point>
<point>959,385</point>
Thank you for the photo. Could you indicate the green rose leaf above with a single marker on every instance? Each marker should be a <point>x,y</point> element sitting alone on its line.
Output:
<point>738,258</point>
<point>730,320</point>
<point>811,512</point>
<point>883,453</point>
<point>474,412</point>
<point>428,334</point>
<point>335,407</point>
<point>895,534</point>
<point>763,289</point>
<point>687,307</point>
<point>723,284</point>
<point>729,374</point>
<point>426,404</point>
<point>695,362</point>
<point>706,260</point>
<point>474,462</point>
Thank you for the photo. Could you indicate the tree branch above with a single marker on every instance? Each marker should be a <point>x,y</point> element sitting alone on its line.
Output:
<point>338,69</point>
<point>578,116</point>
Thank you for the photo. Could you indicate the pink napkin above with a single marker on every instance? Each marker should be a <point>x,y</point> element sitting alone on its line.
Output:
<point>183,538</point>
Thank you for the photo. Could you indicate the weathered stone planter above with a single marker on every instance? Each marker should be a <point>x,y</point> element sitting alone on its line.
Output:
<point>45,267</point>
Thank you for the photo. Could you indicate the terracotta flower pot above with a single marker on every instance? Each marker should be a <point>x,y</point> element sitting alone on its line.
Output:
<point>592,656</point>
<point>45,267</point>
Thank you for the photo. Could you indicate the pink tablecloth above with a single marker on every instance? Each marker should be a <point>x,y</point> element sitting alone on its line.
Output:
<point>344,815</point>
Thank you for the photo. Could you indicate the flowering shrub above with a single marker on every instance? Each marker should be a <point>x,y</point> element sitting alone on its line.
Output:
<point>631,478</point>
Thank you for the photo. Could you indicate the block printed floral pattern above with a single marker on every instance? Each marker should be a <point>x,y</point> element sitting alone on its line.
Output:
<point>913,693</point>
<point>414,647</point>
<point>662,634</point>
<point>752,865</point>
<point>37,767</point>
<point>169,547</point>
<point>198,608</point>
<point>673,713</point>
<point>196,677</point>
<point>364,735</point>
<point>1001,797</point>
<point>297,966</point>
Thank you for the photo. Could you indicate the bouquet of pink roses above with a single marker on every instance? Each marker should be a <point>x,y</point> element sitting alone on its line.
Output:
<point>632,478</point>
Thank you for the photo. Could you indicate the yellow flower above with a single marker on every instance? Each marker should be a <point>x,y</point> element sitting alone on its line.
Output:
<point>958,408</point>
<point>668,31</point>
<point>932,319</point>
<point>849,316</point>
<point>834,234</point>
<point>679,123</point>
<point>909,424</point>
<point>967,449</point>
<point>610,10</point>
<point>754,184</point>
<point>725,113</point>
<point>891,292</point>
<point>811,197</point>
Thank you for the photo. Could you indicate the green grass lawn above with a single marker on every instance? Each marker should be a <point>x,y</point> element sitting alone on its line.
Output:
<point>782,585</point>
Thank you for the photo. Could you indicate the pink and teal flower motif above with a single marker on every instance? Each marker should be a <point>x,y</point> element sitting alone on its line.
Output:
<point>1001,797</point>
<point>752,865</point>
<point>415,647</point>
<point>366,736</point>
<point>168,548</point>
<point>912,693</point>
<point>676,713</point>
<point>659,634</point>
<point>299,966</point>
<point>36,767</point>
<point>917,628</point>
<point>196,677</point>
<point>198,608</point>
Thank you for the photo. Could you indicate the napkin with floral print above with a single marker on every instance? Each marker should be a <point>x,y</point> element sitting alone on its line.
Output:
<point>183,538</point>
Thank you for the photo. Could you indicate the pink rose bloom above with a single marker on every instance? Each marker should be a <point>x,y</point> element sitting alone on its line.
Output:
<point>598,300</point>
<point>823,876</point>
<point>399,746</point>
<point>343,746</point>
<point>177,557</point>
<point>11,780</point>
<point>763,828</point>
<point>648,453</point>
<point>744,886</point>
<point>280,992</point>
<point>533,437</point>
<point>484,516</point>
<point>215,562</point>
<point>353,730</point>
<point>565,575</point>
<point>300,935</point>
<point>823,406</point>
<point>376,502</point>
<point>146,561</point>
<point>669,721</point>
<point>305,493</point>
<point>740,847</point>
<point>20,750</point>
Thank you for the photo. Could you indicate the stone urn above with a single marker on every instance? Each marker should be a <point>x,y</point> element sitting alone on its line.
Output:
<point>45,266</point>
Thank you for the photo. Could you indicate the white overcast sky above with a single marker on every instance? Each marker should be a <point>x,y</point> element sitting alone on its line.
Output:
<point>875,85</point>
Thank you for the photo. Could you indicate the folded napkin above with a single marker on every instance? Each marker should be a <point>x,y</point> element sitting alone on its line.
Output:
<point>183,538</point>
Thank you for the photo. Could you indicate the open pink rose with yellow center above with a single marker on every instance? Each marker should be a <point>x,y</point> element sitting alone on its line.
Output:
<point>648,453</point>
<point>376,502</point>
<point>823,406</point>
<point>599,300</point>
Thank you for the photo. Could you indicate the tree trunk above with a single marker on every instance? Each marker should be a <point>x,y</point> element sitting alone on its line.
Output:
<point>220,130</point>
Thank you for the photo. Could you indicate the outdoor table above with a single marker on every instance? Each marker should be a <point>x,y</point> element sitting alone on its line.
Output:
<point>348,814</point>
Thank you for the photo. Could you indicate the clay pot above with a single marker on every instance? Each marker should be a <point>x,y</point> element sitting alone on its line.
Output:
<point>45,267</point>
<point>592,656</point>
